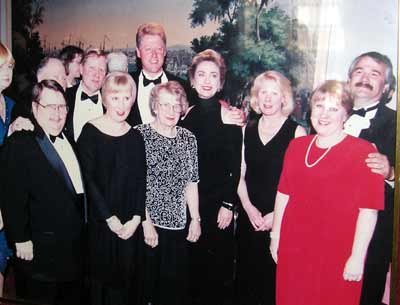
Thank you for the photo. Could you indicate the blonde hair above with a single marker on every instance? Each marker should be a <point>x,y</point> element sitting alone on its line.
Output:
<point>117,81</point>
<point>5,55</point>
<point>335,89</point>
<point>150,28</point>
<point>284,86</point>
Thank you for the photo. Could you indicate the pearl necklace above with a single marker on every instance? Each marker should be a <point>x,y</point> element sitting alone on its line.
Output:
<point>319,159</point>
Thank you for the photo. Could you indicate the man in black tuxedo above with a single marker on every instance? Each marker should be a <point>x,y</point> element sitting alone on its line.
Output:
<point>151,48</point>
<point>370,79</point>
<point>84,99</point>
<point>43,202</point>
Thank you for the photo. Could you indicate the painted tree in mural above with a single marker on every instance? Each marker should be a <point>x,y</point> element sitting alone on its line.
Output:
<point>253,36</point>
<point>27,15</point>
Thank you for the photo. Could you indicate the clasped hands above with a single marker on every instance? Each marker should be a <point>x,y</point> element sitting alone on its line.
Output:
<point>259,222</point>
<point>124,231</point>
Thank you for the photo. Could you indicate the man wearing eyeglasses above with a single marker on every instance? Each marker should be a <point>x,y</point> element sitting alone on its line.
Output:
<point>43,202</point>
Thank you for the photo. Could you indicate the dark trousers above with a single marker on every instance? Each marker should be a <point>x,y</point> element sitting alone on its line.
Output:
<point>101,294</point>
<point>211,265</point>
<point>166,269</point>
<point>378,261</point>
<point>53,293</point>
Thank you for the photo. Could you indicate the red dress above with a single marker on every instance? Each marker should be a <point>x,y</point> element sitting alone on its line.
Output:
<point>319,223</point>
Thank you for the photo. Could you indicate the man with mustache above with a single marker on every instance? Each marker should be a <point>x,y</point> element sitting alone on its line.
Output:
<point>370,80</point>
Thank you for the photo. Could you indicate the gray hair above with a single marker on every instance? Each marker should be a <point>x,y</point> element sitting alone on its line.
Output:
<point>117,62</point>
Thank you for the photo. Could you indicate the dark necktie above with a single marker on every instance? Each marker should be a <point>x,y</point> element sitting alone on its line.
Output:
<point>363,111</point>
<point>147,81</point>
<point>93,98</point>
<point>53,138</point>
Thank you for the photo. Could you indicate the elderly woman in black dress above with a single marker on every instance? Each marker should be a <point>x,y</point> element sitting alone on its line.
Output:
<point>113,162</point>
<point>172,177</point>
<point>219,168</point>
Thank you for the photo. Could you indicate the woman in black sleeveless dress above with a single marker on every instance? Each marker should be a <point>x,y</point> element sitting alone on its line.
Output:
<point>265,143</point>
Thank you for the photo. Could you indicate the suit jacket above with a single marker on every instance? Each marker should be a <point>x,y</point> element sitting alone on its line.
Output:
<point>70,95</point>
<point>134,117</point>
<point>39,203</point>
<point>382,132</point>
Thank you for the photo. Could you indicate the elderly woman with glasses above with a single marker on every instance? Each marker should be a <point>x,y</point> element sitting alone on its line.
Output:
<point>172,177</point>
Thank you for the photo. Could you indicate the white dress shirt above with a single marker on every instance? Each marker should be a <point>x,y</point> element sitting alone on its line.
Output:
<point>67,155</point>
<point>144,95</point>
<point>85,111</point>
<point>356,123</point>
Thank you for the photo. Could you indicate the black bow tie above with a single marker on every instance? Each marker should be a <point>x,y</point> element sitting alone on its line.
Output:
<point>93,98</point>
<point>363,111</point>
<point>53,138</point>
<point>147,81</point>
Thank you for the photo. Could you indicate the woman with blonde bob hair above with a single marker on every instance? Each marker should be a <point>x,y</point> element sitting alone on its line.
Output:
<point>6,105</point>
<point>284,86</point>
<point>113,162</point>
<point>325,208</point>
<point>265,143</point>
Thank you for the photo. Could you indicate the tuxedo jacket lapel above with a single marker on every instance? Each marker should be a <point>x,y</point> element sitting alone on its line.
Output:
<point>376,123</point>
<point>55,160</point>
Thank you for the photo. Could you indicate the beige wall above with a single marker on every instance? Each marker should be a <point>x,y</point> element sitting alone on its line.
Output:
<point>5,22</point>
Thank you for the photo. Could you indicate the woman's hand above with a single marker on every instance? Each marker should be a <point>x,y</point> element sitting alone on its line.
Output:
<point>224,218</point>
<point>254,215</point>
<point>267,221</point>
<point>353,269</point>
<point>129,228</point>
<point>114,224</point>
<point>20,123</point>
<point>194,230</point>
<point>150,234</point>
<point>273,246</point>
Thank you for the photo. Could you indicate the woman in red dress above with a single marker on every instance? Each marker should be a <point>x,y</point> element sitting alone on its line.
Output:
<point>325,209</point>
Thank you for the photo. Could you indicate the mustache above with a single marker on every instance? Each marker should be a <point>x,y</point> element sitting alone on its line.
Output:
<point>364,85</point>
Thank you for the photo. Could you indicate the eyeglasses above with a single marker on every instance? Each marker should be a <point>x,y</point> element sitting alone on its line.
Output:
<point>55,107</point>
<point>167,106</point>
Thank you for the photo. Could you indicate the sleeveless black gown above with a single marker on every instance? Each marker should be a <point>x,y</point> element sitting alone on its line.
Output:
<point>255,280</point>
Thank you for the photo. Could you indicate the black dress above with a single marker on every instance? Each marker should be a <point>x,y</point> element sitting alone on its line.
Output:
<point>219,153</point>
<point>255,281</point>
<point>114,171</point>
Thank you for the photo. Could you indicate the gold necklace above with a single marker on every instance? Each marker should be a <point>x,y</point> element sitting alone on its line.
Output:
<point>308,151</point>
